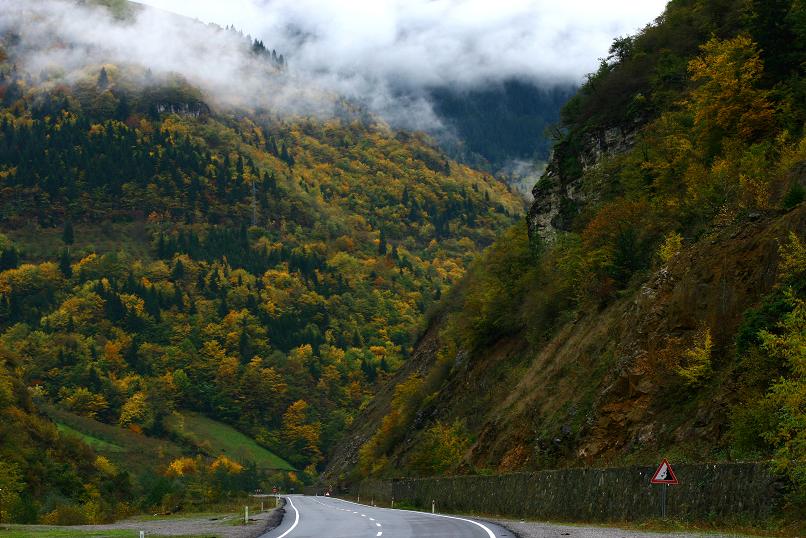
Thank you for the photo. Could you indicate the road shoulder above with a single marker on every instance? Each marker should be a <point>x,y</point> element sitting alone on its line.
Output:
<point>532,529</point>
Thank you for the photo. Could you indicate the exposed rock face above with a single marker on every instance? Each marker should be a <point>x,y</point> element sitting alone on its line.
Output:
<point>195,109</point>
<point>559,194</point>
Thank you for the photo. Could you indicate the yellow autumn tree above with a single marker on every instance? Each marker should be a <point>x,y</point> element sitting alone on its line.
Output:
<point>727,100</point>
<point>182,467</point>
<point>136,413</point>
<point>441,448</point>
<point>301,432</point>
<point>225,464</point>
<point>82,401</point>
<point>696,366</point>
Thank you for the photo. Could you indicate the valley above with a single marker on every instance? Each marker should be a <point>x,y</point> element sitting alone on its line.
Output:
<point>228,269</point>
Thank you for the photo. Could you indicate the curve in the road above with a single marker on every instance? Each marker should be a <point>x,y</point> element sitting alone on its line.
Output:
<point>296,520</point>
<point>327,517</point>
<point>490,533</point>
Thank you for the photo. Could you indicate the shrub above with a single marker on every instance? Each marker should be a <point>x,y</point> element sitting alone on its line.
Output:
<point>697,360</point>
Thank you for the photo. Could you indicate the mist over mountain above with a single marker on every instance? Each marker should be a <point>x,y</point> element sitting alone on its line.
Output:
<point>447,68</point>
<point>485,79</point>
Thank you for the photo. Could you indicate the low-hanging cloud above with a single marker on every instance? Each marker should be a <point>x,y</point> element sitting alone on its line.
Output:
<point>63,38</point>
<point>385,54</point>
<point>435,42</point>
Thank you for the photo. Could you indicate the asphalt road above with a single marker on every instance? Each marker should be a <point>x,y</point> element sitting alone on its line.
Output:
<point>326,517</point>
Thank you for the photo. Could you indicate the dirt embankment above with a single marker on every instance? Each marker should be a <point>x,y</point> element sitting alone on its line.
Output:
<point>603,390</point>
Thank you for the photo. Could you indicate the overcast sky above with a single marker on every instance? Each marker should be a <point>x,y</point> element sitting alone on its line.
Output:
<point>383,54</point>
<point>425,42</point>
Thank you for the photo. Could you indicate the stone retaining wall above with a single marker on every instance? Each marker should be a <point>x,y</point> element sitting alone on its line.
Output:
<point>725,491</point>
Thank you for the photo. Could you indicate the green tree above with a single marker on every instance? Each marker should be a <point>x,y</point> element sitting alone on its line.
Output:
<point>103,79</point>
<point>441,449</point>
<point>11,485</point>
<point>64,264</point>
<point>68,236</point>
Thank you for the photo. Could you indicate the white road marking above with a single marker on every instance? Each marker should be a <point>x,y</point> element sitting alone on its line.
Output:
<point>363,515</point>
<point>378,524</point>
<point>296,519</point>
<point>372,519</point>
<point>379,533</point>
<point>490,533</point>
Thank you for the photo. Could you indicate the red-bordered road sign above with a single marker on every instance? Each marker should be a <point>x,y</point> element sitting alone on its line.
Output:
<point>664,474</point>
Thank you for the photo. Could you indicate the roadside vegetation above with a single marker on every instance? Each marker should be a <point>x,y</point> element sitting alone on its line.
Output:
<point>201,301</point>
<point>714,100</point>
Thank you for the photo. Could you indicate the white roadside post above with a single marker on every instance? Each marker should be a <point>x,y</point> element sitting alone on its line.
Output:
<point>393,502</point>
<point>433,506</point>
<point>142,534</point>
<point>246,515</point>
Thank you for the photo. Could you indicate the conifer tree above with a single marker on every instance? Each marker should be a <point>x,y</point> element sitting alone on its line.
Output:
<point>103,79</point>
<point>64,264</point>
<point>68,236</point>
<point>382,244</point>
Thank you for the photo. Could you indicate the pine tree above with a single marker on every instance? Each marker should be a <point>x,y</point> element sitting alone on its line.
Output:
<point>178,272</point>
<point>64,264</point>
<point>103,79</point>
<point>123,109</point>
<point>68,237</point>
<point>223,308</point>
<point>382,244</point>
<point>9,259</point>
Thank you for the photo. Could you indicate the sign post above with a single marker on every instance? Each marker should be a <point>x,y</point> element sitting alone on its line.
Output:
<point>664,477</point>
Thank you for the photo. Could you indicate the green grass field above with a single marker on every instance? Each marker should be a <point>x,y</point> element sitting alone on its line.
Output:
<point>98,444</point>
<point>216,438</point>
<point>43,532</point>
<point>129,450</point>
<point>34,532</point>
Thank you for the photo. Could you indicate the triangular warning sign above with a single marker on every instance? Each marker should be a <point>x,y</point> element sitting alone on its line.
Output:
<point>664,474</point>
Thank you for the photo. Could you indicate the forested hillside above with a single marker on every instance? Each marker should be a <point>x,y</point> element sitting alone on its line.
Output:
<point>500,123</point>
<point>160,254</point>
<point>653,303</point>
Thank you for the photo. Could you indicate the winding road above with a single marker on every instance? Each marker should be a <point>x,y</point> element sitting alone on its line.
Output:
<point>326,517</point>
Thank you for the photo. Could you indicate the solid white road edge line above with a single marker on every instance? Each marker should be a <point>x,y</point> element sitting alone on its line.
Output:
<point>490,533</point>
<point>296,518</point>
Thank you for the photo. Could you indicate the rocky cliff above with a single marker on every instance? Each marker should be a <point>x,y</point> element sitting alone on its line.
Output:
<point>560,194</point>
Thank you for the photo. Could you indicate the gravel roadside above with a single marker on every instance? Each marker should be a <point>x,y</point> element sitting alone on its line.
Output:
<point>224,526</point>
<point>527,529</point>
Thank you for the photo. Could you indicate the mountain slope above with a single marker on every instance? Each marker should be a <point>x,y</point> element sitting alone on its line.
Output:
<point>653,300</point>
<point>162,252</point>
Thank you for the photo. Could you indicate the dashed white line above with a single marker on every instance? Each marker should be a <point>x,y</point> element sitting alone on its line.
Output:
<point>490,533</point>
<point>378,524</point>
<point>379,533</point>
